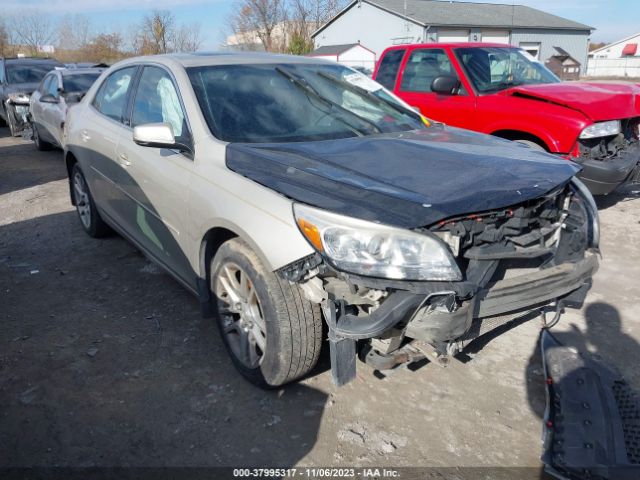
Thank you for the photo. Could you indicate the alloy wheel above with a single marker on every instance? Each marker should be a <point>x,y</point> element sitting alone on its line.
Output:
<point>242,319</point>
<point>83,204</point>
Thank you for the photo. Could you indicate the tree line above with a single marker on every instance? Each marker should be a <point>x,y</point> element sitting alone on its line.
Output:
<point>280,25</point>
<point>76,40</point>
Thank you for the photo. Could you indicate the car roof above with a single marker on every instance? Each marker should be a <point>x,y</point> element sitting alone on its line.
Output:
<point>200,59</point>
<point>68,72</point>
<point>31,60</point>
<point>453,45</point>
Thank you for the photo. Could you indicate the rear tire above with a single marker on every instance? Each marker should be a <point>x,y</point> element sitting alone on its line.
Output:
<point>39,143</point>
<point>88,214</point>
<point>286,343</point>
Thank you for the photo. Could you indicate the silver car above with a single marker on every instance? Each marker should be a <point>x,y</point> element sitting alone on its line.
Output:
<point>49,104</point>
<point>286,191</point>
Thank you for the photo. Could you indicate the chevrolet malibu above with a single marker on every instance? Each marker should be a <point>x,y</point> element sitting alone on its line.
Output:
<point>285,192</point>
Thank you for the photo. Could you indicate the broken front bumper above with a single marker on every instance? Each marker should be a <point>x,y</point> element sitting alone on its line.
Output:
<point>592,419</point>
<point>19,114</point>
<point>604,176</point>
<point>501,297</point>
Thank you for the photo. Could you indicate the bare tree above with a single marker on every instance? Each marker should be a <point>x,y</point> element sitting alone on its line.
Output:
<point>187,38</point>
<point>33,30</point>
<point>258,19</point>
<point>156,31</point>
<point>73,32</point>
<point>4,39</point>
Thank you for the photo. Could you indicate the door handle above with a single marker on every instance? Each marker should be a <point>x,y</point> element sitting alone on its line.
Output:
<point>124,159</point>
<point>85,136</point>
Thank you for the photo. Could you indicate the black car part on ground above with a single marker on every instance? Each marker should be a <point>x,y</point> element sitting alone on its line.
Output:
<point>592,419</point>
<point>608,162</point>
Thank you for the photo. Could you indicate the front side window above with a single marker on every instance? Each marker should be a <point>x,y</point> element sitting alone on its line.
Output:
<point>423,66</point>
<point>52,86</point>
<point>388,69</point>
<point>491,69</point>
<point>296,102</point>
<point>157,101</point>
<point>111,99</point>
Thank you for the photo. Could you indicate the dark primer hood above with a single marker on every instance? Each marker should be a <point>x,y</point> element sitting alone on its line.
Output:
<point>406,179</point>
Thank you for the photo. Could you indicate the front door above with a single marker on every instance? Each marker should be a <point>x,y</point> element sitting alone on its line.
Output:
<point>414,86</point>
<point>156,180</point>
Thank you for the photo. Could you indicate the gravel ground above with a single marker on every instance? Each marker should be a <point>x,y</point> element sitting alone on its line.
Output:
<point>105,360</point>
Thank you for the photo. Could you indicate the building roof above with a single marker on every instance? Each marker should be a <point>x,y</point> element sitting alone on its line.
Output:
<point>468,14</point>
<point>333,49</point>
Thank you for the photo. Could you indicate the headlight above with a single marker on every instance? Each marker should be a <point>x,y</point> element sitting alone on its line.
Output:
<point>19,97</point>
<point>601,129</point>
<point>370,249</point>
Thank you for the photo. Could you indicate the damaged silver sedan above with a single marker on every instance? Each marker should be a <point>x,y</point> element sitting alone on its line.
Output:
<point>286,192</point>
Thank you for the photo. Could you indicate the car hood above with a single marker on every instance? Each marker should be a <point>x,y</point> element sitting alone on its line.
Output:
<point>407,179</point>
<point>598,101</point>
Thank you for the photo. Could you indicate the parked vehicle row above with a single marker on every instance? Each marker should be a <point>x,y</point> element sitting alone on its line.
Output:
<point>503,91</point>
<point>286,191</point>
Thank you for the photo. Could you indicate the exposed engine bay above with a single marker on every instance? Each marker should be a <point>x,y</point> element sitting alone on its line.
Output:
<point>537,254</point>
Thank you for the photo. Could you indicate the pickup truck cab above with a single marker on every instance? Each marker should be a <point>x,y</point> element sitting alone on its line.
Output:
<point>503,91</point>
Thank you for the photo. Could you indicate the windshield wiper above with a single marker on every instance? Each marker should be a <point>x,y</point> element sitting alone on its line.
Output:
<point>304,86</point>
<point>368,94</point>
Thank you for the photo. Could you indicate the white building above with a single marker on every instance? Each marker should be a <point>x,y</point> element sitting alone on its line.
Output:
<point>351,55</point>
<point>378,24</point>
<point>627,47</point>
<point>618,59</point>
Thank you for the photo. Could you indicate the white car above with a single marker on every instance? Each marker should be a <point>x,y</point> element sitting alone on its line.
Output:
<point>284,190</point>
<point>50,102</point>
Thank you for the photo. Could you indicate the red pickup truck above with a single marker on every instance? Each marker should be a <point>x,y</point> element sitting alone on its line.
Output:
<point>502,90</point>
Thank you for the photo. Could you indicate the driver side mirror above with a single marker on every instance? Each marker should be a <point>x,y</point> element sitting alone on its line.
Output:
<point>158,135</point>
<point>445,85</point>
<point>48,98</point>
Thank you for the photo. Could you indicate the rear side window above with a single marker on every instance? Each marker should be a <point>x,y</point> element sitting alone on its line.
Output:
<point>422,67</point>
<point>46,83</point>
<point>111,99</point>
<point>52,86</point>
<point>388,69</point>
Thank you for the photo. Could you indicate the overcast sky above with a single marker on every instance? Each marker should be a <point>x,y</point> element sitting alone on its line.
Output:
<point>613,19</point>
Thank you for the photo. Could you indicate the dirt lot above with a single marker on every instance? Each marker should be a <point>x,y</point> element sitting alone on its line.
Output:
<point>105,360</point>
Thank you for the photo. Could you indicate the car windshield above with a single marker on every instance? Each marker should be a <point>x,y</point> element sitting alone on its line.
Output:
<point>491,69</point>
<point>28,73</point>
<point>80,82</point>
<point>296,102</point>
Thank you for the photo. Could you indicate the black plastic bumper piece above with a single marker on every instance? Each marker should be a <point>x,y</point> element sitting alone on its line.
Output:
<point>604,176</point>
<point>592,420</point>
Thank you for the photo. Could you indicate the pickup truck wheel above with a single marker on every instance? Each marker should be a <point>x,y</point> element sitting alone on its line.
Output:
<point>271,331</point>
<point>534,145</point>
<point>90,219</point>
<point>39,143</point>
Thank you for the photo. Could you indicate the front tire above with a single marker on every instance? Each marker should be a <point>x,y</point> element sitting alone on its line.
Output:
<point>271,331</point>
<point>90,219</point>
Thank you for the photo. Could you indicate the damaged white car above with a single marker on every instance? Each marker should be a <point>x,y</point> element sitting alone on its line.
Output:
<point>287,191</point>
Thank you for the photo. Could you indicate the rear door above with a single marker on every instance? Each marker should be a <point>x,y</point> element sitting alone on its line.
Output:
<point>100,133</point>
<point>421,67</point>
<point>156,180</point>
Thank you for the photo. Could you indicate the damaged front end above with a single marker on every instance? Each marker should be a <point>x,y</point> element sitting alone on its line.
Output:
<point>17,108</point>
<point>610,161</point>
<point>505,263</point>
